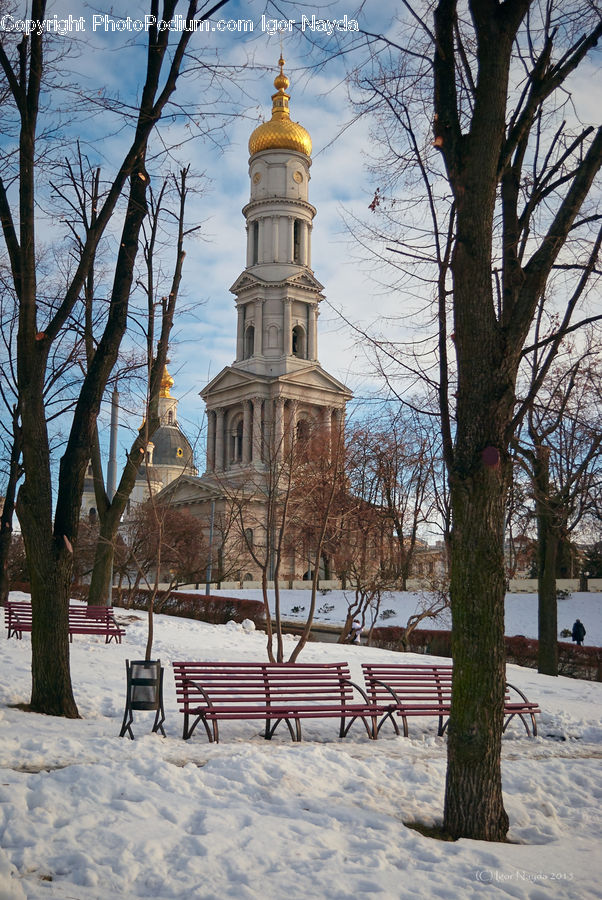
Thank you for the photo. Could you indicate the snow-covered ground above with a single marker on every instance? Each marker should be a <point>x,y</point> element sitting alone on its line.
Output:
<point>85,815</point>
<point>521,610</point>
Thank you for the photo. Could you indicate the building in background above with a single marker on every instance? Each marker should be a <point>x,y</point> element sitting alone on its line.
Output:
<point>275,391</point>
<point>169,455</point>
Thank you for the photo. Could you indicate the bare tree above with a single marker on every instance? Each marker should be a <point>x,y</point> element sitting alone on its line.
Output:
<point>286,507</point>
<point>166,548</point>
<point>50,529</point>
<point>561,452</point>
<point>111,509</point>
<point>512,218</point>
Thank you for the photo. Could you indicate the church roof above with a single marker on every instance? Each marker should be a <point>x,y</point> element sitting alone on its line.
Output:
<point>172,447</point>
<point>280,133</point>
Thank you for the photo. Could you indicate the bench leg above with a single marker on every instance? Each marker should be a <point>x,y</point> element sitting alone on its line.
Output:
<point>371,730</point>
<point>271,728</point>
<point>390,716</point>
<point>212,734</point>
<point>530,731</point>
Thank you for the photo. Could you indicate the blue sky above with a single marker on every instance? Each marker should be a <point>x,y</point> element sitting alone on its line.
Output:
<point>341,187</point>
<point>203,343</point>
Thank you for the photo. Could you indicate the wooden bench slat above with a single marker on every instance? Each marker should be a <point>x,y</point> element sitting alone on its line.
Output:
<point>425,690</point>
<point>272,692</point>
<point>82,620</point>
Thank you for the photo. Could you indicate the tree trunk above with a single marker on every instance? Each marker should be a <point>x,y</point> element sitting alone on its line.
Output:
<point>50,578</point>
<point>473,804</point>
<point>98,594</point>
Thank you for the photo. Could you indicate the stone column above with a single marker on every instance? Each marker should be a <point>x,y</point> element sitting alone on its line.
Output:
<point>326,422</point>
<point>312,333</point>
<point>258,339</point>
<point>240,333</point>
<point>257,405</point>
<point>287,333</point>
<point>303,243</point>
<point>249,245</point>
<point>278,426</point>
<point>309,231</point>
<point>291,435</point>
<point>210,440</point>
<point>220,415</point>
<point>275,238</point>
<point>261,254</point>
<point>290,250</point>
<point>246,431</point>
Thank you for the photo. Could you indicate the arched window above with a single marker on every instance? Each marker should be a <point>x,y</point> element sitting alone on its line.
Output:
<point>298,342</point>
<point>249,538</point>
<point>303,430</point>
<point>249,341</point>
<point>236,449</point>
<point>170,417</point>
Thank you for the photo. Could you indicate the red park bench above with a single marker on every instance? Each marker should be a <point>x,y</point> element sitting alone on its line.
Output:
<point>212,692</point>
<point>82,620</point>
<point>407,690</point>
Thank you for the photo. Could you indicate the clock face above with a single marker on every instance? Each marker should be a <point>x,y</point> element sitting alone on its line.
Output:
<point>256,177</point>
<point>297,176</point>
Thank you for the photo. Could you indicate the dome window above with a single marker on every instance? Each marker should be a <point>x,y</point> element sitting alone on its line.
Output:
<point>179,452</point>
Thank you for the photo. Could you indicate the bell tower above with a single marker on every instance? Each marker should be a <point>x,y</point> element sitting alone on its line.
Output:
<point>277,294</point>
<point>276,383</point>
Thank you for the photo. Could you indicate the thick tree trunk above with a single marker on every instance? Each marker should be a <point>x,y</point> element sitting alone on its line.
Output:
<point>50,577</point>
<point>474,804</point>
<point>98,594</point>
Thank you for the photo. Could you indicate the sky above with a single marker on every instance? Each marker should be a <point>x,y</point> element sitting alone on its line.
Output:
<point>85,814</point>
<point>204,341</point>
<point>109,55</point>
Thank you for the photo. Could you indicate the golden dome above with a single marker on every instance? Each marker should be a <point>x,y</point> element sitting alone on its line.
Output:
<point>166,383</point>
<point>280,133</point>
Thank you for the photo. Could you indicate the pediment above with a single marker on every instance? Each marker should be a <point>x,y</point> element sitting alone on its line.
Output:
<point>188,489</point>
<point>233,383</point>
<point>244,282</point>
<point>316,378</point>
<point>303,279</point>
<point>229,379</point>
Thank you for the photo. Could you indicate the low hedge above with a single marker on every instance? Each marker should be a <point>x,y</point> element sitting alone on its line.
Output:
<point>573,661</point>
<point>203,607</point>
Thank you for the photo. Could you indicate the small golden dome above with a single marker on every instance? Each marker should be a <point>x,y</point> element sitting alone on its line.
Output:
<point>280,133</point>
<point>166,384</point>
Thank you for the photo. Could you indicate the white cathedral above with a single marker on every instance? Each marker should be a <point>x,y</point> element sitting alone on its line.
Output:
<point>276,386</point>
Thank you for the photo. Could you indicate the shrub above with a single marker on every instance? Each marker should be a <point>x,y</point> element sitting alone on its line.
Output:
<point>205,608</point>
<point>573,661</point>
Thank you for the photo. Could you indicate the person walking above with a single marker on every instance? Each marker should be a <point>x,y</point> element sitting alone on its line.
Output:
<point>355,633</point>
<point>578,632</point>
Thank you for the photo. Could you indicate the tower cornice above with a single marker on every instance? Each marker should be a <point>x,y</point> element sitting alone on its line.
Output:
<point>263,204</point>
